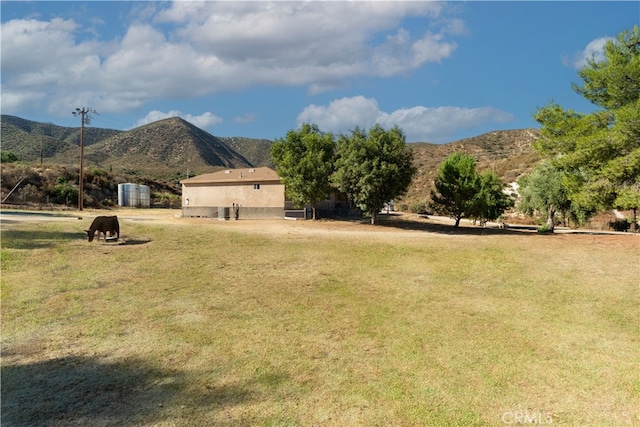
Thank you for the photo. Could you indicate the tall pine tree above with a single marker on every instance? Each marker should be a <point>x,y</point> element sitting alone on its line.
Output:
<point>599,153</point>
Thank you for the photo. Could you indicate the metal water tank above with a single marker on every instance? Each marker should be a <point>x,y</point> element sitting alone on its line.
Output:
<point>128,195</point>
<point>144,196</point>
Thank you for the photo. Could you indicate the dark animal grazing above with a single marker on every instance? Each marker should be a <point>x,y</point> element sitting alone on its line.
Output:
<point>102,224</point>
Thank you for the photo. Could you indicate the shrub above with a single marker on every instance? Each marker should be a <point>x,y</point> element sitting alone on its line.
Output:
<point>544,229</point>
<point>166,200</point>
<point>417,207</point>
<point>8,157</point>
<point>64,192</point>
<point>107,203</point>
<point>29,193</point>
<point>95,171</point>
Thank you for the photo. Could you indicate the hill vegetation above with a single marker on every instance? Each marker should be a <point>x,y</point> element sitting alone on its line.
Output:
<point>162,149</point>
<point>508,153</point>
<point>164,152</point>
<point>34,141</point>
<point>52,185</point>
<point>255,151</point>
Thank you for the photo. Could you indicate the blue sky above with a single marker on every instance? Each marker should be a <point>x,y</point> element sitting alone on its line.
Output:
<point>441,71</point>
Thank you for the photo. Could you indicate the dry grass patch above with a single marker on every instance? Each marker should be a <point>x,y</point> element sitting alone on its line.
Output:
<point>200,322</point>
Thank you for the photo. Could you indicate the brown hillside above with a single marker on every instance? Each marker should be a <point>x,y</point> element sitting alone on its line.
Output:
<point>509,153</point>
<point>31,141</point>
<point>257,151</point>
<point>164,148</point>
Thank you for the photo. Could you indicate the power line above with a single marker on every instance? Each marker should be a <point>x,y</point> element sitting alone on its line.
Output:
<point>109,122</point>
<point>84,114</point>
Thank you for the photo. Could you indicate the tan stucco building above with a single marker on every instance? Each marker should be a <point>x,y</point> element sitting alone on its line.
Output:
<point>234,193</point>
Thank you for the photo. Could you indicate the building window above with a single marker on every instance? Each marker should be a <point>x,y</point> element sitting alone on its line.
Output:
<point>256,186</point>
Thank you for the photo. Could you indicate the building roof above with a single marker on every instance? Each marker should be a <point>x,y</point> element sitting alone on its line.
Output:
<point>229,176</point>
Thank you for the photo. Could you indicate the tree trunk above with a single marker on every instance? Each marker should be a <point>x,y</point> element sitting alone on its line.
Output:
<point>551,220</point>
<point>457,221</point>
<point>313,212</point>
<point>374,216</point>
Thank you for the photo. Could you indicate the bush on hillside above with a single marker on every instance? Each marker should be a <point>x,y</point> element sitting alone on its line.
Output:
<point>58,185</point>
<point>417,207</point>
<point>8,157</point>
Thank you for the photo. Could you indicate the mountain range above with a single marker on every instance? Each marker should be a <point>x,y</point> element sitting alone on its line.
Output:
<point>160,149</point>
<point>174,148</point>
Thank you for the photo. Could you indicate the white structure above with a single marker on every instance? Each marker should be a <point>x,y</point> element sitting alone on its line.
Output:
<point>134,195</point>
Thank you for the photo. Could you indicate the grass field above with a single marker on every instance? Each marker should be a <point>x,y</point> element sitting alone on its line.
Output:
<point>282,323</point>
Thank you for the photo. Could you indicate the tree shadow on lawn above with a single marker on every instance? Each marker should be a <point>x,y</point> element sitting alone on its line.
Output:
<point>24,213</point>
<point>471,230</point>
<point>80,390</point>
<point>34,239</point>
<point>463,229</point>
<point>37,239</point>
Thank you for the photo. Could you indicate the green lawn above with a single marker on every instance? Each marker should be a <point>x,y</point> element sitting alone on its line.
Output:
<point>207,323</point>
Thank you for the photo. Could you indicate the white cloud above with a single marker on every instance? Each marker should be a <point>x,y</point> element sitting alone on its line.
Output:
<point>190,49</point>
<point>21,100</point>
<point>245,118</point>
<point>28,45</point>
<point>400,53</point>
<point>593,50</point>
<point>342,115</point>
<point>420,124</point>
<point>202,121</point>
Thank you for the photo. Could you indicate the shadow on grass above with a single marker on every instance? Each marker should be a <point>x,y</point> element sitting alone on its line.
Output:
<point>134,242</point>
<point>121,242</point>
<point>5,213</point>
<point>511,230</point>
<point>430,227</point>
<point>34,239</point>
<point>90,391</point>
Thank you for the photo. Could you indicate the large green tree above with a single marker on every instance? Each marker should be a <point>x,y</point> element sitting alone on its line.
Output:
<point>456,186</point>
<point>304,160</point>
<point>599,153</point>
<point>543,192</point>
<point>490,201</point>
<point>373,167</point>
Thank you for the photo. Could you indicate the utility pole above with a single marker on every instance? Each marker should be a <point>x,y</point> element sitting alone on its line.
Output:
<point>83,113</point>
